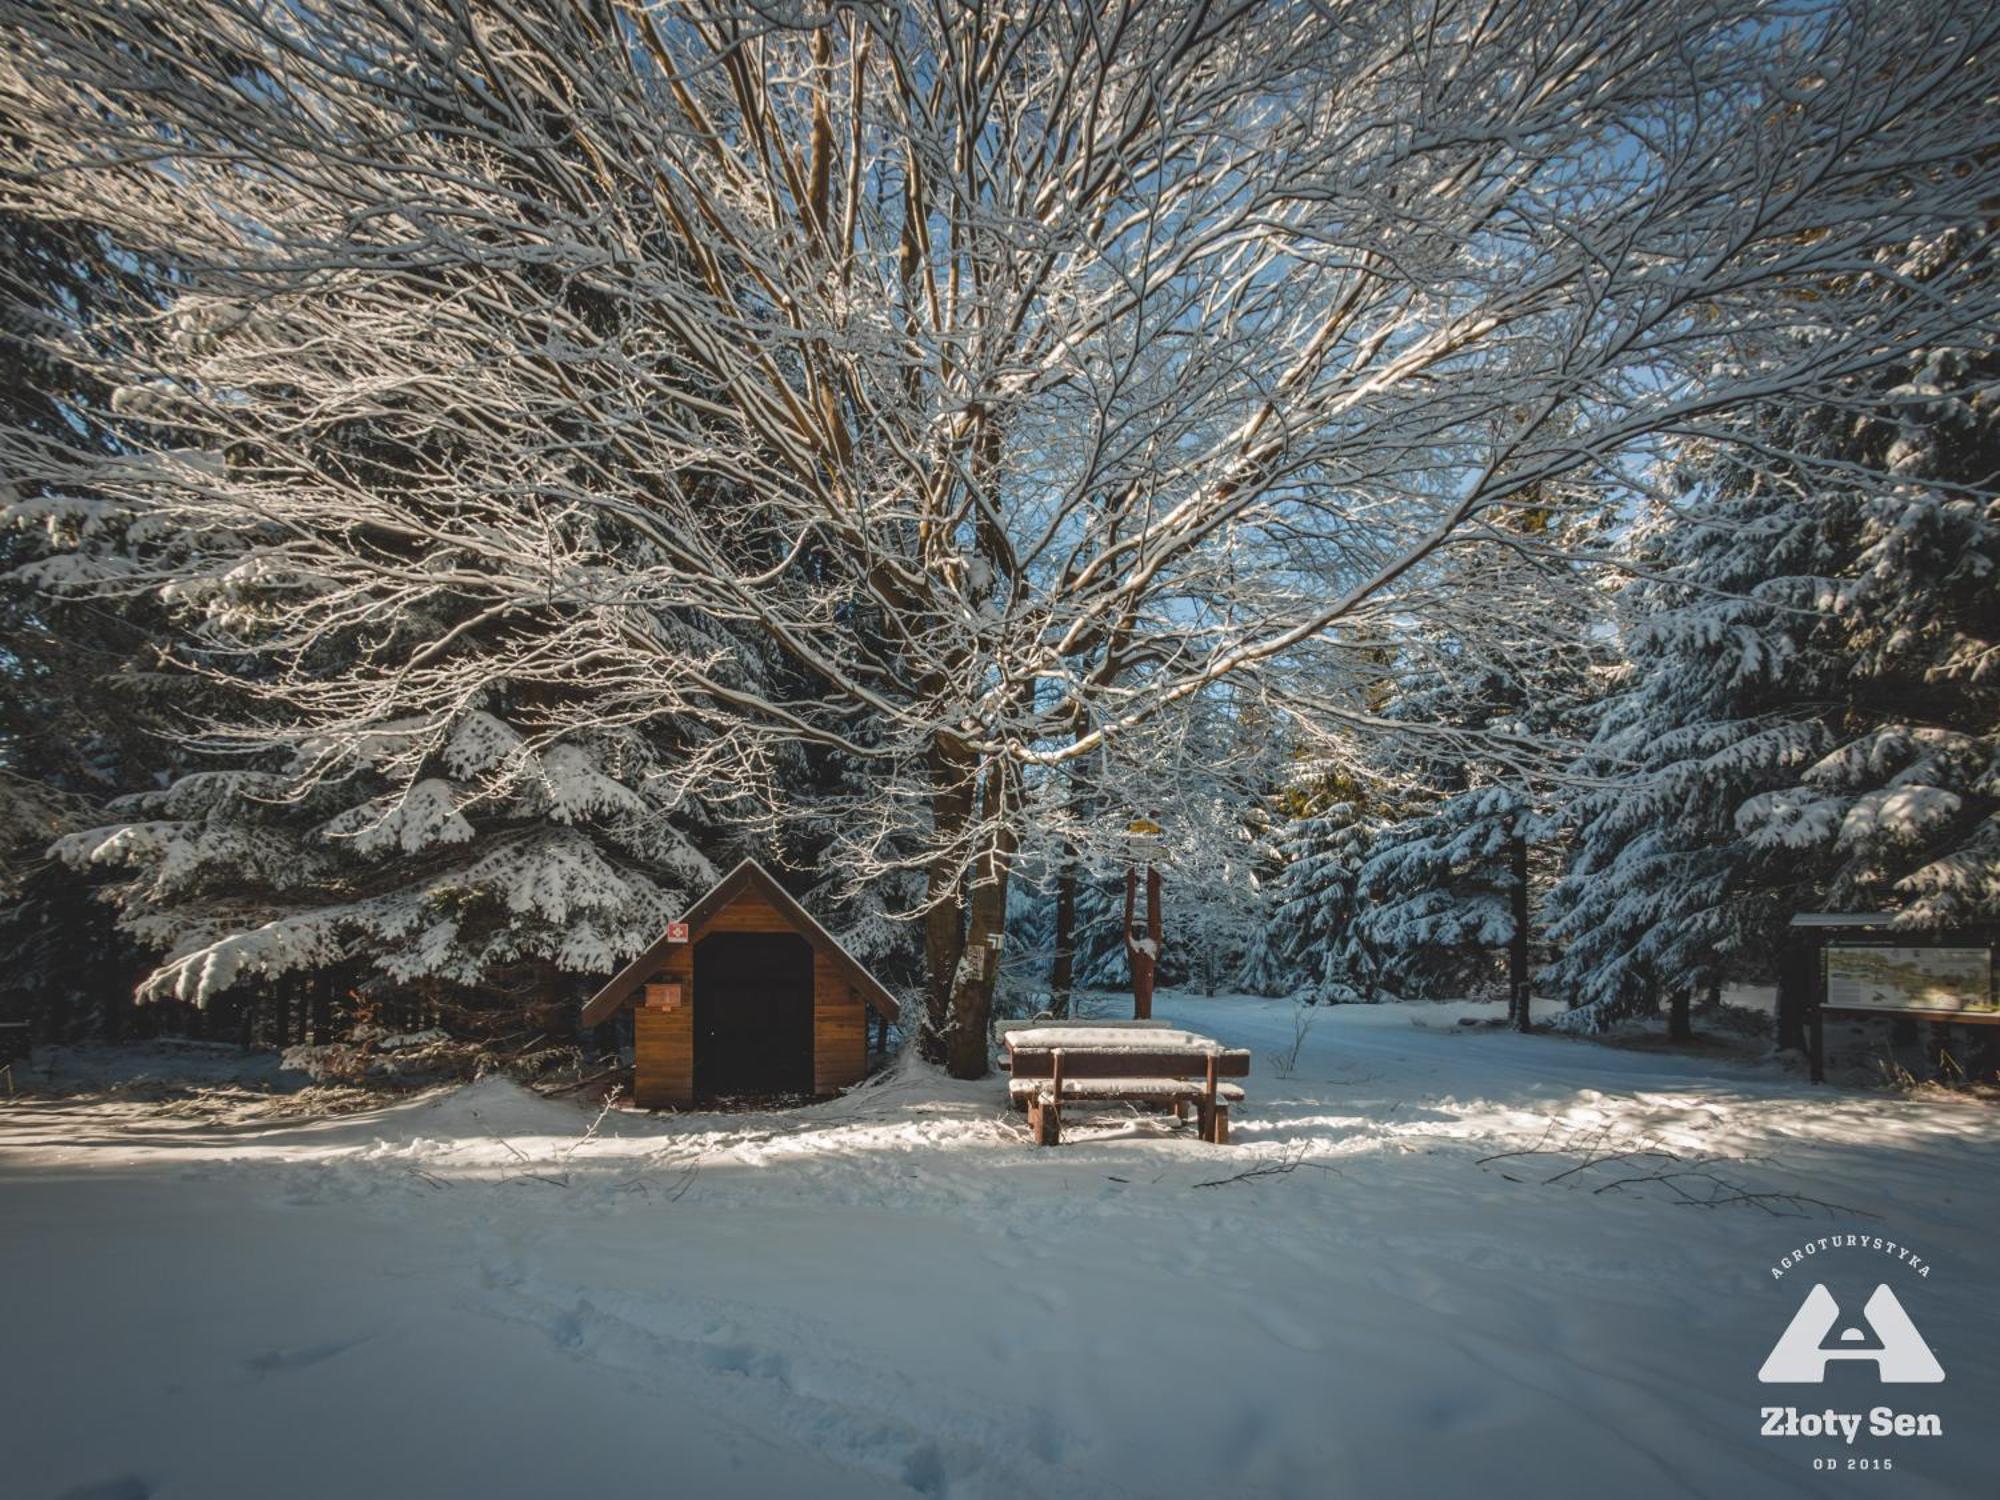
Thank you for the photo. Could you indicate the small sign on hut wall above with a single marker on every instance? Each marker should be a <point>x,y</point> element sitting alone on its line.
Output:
<point>677,932</point>
<point>663,996</point>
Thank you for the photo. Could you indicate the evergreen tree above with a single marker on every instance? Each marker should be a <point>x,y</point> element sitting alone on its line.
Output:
<point>474,851</point>
<point>505,865</point>
<point>1323,847</point>
<point>1902,810</point>
<point>1445,896</point>
<point>83,706</point>
<point>1808,717</point>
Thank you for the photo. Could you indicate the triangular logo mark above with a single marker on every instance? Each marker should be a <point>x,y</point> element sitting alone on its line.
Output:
<point>1901,1356</point>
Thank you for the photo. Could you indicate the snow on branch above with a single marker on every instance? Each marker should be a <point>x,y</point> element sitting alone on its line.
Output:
<point>945,387</point>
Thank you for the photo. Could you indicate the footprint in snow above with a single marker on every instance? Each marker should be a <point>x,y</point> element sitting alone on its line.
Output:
<point>924,1471</point>
<point>747,1359</point>
<point>276,1361</point>
<point>567,1326</point>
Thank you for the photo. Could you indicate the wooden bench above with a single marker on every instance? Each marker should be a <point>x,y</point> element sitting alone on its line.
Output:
<point>1152,1065</point>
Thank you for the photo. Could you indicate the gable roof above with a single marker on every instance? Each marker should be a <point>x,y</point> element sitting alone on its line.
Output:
<point>747,876</point>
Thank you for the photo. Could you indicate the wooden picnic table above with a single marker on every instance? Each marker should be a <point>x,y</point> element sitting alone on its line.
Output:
<point>1142,1063</point>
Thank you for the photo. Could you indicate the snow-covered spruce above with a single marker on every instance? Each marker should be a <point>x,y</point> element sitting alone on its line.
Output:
<point>500,855</point>
<point>1808,718</point>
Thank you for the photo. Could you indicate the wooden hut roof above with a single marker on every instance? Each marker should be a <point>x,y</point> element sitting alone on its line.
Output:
<point>749,875</point>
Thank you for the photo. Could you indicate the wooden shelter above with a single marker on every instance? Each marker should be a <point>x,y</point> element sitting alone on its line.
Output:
<point>745,994</point>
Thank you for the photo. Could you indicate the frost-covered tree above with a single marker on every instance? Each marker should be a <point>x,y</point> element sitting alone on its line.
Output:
<point>1902,810</point>
<point>487,848</point>
<point>1445,897</point>
<point>1808,714</point>
<point>1217,903</point>
<point>1262,964</point>
<point>505,863</point>
<point>1059,363</point>
<point>1323,844</point>
<point>1216,865</point>
<point>1438,894</point>
<point>1412,871</point>
<point>83,706</point>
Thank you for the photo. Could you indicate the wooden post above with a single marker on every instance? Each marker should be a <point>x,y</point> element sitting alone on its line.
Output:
<point>1055,1091</point>
<point>1817,1027</point>
<point>1791,991</point>
<point>1045,1117</point>
<point>1208,1101</point>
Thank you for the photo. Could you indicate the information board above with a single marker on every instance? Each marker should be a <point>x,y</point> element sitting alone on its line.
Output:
<point>1930,980</point>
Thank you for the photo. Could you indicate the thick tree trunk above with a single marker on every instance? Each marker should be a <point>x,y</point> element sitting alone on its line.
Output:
<point>965,1043</point>
<point>944,915</point>
<point>322,1008</point>
<point>1518,1006</point>
<point>1062,970</point>
<point>1680,1024</point>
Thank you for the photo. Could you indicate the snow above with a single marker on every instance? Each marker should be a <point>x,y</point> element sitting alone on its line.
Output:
<point>1104,1039</point>
<point>1123,1088</point>
<point>471,1293</point>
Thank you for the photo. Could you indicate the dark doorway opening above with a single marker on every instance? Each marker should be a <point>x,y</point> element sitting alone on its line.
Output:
<point>753,1014</point>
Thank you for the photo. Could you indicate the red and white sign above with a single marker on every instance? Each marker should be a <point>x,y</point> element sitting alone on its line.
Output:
<point>677,932</point>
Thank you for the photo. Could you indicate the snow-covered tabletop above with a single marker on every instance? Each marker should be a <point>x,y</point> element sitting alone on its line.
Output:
<point>1109,1039</point>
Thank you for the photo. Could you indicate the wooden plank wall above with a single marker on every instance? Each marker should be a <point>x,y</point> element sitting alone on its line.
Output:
<point>663,1041</point>
<point>749,912</point>
<point>840,1029</point>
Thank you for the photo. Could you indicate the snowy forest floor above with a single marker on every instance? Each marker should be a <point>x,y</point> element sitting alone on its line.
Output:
<point>462,1294</point>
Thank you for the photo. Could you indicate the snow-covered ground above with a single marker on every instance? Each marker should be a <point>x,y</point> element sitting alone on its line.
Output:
<point>893,1292</point>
